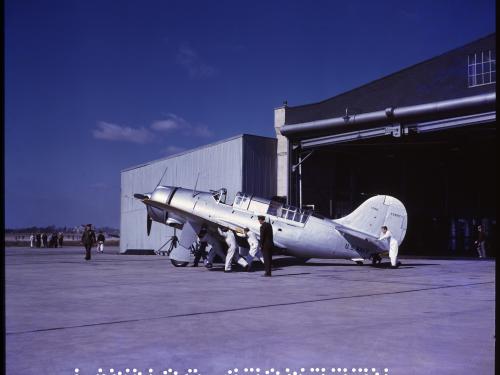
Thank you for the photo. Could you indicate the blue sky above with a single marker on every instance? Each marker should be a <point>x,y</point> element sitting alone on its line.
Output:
<point>93,87</point>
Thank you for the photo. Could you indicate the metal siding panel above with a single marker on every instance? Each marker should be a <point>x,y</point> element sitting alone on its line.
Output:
<point>220,165</point>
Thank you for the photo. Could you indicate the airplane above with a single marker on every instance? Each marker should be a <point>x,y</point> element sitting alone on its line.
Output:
<point>301,233</point>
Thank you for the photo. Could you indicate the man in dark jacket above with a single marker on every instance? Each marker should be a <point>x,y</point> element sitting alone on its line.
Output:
<point>88,239</point>
<point>201,245</point>
<point>266,243</point>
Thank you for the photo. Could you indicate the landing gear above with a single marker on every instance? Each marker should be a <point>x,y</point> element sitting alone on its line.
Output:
<point>359,262</point>
<point>376,259</point>
<point>173,244</point>
<point>303,260</point>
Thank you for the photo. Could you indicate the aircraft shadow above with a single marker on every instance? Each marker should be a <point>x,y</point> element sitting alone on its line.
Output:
<point>288,262</point>
<point>281,263</point>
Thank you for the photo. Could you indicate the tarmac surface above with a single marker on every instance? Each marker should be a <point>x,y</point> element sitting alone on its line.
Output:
<point>114,313</point>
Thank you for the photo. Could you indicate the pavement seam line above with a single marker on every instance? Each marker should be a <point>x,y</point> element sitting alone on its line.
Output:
<point>245,308</point>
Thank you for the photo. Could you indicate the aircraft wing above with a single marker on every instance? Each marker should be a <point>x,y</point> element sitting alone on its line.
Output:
<point>224,223</point>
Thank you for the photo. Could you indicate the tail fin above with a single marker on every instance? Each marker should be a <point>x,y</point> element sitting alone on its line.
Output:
<point>375,212</point>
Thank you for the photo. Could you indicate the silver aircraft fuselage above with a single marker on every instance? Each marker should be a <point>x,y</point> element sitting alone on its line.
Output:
<point>300,233</point>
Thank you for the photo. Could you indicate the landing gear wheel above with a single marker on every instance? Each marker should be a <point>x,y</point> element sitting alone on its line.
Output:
<point>376,259</point>
<point>303,260</point>
<point>178,263</point>
<point>359,262</point>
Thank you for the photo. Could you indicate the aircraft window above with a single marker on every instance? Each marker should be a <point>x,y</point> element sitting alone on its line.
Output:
<point>237,200</point>
<point>274,208</point>
<point>220,195</point>
<point>241,200</point>
<point>291,213</point>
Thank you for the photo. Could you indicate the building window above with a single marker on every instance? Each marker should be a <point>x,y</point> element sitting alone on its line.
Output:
<point>482,68</point>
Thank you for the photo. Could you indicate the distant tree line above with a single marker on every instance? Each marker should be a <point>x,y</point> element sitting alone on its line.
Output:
<point>54,229</point>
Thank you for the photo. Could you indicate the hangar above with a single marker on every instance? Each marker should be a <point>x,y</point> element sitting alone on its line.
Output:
<point>242,163</point>
<point>425,134</point>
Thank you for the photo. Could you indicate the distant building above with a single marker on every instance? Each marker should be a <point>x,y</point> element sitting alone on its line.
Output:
<point>243,163</point>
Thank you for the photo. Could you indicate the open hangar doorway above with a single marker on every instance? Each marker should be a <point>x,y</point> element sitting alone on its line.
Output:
<point>446,179</point>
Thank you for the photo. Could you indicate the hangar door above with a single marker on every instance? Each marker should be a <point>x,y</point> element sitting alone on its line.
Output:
<point>445,177</point>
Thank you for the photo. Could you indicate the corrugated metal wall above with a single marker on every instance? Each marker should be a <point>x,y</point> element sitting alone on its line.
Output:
<point>222,164</point>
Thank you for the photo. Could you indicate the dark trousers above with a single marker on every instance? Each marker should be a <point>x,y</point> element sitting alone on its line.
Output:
<point>267,253</point>
<point>87,251</point>
<point>200,252</point>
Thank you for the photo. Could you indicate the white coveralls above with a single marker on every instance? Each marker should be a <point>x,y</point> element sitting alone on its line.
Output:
<point>392,244</point>
<point>232,246</point>
<point>214,249</point>
<point>32,241</point>
<point>254,248</point>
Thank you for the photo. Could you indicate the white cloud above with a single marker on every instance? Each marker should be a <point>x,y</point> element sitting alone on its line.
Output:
<point>174,150</point>
<point>172,122</point>
<point>178,124</point>
<point>188,58</point>
<point>113,132</point>
<point>202,131</point>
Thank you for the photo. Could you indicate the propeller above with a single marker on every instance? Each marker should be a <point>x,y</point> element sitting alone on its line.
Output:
<point>149,221</point>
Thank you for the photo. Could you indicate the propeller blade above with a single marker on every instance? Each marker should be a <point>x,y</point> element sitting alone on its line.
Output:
<point>149,221</point>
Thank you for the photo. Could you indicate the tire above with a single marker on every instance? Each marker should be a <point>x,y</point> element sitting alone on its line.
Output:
<point>178,263</point>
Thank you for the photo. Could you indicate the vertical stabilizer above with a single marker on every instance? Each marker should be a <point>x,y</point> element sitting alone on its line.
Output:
<point>375,212</point>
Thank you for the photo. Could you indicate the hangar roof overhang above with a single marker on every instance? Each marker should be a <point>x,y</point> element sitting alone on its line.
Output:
<point>395,121</point>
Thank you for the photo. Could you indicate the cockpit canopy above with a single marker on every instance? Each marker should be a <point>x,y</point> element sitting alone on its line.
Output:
<point>261,206</point>
<point>288,212</point>
<point>220,195</point>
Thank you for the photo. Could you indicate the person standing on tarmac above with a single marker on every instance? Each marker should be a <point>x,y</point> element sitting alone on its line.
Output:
<point>266,243</point>
<point>232,246</point>
<point>44,240</point>
<point>480,242</point>
<point>32,240</point>
<point>100,242</point>
<point>201,246</point>
<point>88,240</point>
<point>392,244</point>
<point>254,248</point>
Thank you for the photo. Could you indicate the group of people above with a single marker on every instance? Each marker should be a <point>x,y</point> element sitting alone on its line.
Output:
<point>43,240</point>
<point>89,240</point>
<point>262,250</point>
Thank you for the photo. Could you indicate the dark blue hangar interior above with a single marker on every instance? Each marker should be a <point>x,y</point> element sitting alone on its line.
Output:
<point>425,134</point>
